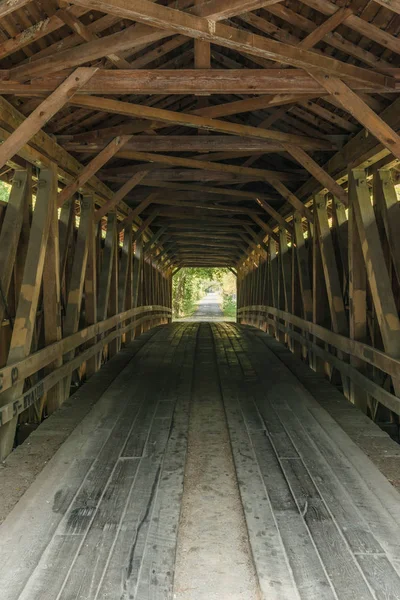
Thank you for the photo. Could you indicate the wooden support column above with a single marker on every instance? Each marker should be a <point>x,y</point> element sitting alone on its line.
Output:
<point>331,274</point>
<point>107,260</point>
<point>76,285</point>
<point>357,298</point>
<point>286,268</point>
<point>340,228</point>
<point>386,197</point>
<point>303,266</point>
<point>92,364</point>
<point>274,275</point>
<point>125,290</point>
<point>321,315</point>
<point>52,297</point>
<point>377,272</point>
<point>24,325</point>
<point>303,272</point>
<point>114,345</point>
<point>66,227</point>
<point>10,234</point>
<point>106,267</point>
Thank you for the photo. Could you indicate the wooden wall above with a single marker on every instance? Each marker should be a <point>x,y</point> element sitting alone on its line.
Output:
<point>74,289</point>
<point>329,289</point>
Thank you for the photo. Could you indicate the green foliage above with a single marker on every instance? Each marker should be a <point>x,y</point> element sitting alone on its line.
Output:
<point>4,191</point>
<point>190,285</point>
<point>229,306</point>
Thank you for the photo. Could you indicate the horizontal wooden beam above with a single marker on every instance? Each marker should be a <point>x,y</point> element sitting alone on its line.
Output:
<point>43,113</point>
<point>190,81</point>
<point>263,174</point>
<point>184,143</point>
<point>160,115</point>
<point>183,23</point>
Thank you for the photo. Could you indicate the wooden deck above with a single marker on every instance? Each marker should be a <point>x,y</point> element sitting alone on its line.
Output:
<point>103,520</point>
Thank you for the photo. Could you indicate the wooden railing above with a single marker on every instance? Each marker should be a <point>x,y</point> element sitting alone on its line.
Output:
<point>109,330</point>
<point>308,335</point>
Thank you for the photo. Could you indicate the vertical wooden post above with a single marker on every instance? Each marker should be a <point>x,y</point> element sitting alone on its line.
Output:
<point>319,295</point>
<point>52,295</point>
<point>286,266</point>
<point>332,279</point>
<point>138,279</point>
<point>75,293</point>
<point>357,297</point>
<point>125,272</point>
<point>274,271</point>
<point>114,345</point>
<point>10,234</point>
<point>24,325</point>
<point>377,272</point>
<point>92,364</point>
<point>107,260</point>
<point>66,229</point>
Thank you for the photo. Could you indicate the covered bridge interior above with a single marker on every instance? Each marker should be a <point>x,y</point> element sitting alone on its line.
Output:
<point>250,460</point>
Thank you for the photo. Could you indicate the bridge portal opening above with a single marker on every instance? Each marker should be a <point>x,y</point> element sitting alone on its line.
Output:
<point>204,294</point>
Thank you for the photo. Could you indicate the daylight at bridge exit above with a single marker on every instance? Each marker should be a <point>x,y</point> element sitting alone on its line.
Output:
<point>199,299</point>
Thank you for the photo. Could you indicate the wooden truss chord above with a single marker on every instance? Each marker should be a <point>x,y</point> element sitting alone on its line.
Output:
<point>186,24</point>
<point>39,117</point>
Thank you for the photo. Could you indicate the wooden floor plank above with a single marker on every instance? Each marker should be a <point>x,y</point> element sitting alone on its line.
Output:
<point>103,519</point>
<point>353,527</point>
<point>274,572</point>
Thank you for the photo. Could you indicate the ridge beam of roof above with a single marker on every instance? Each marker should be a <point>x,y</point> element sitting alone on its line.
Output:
<point>184,23</point>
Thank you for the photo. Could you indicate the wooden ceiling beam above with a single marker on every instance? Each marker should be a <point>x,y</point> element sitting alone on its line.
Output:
<point>361,151</point>
<point>183,214</point>
<point>140,111</point>
<point>170,176</point>
<point>319,173</point>
<point>327,26</point>
<point>274,214</point>
<point>43,113</point>
<point>38,31</point>
<point>133,213</point>
<point>91,168</point>
<point>226,9</point>
<point>7,8</point>
<point>185,81</point>
<point>128,39</point>
<point>84,33</point>
<point>182,143</point>
<point>358,24</point>
<point>353,104</point>
<point>120,195</point>
<point>53,60</point>
<point>263,174</point>
<point>221,192</point>
<point>183,23</point>
<point>215,208</point>
<point>393,5</point>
